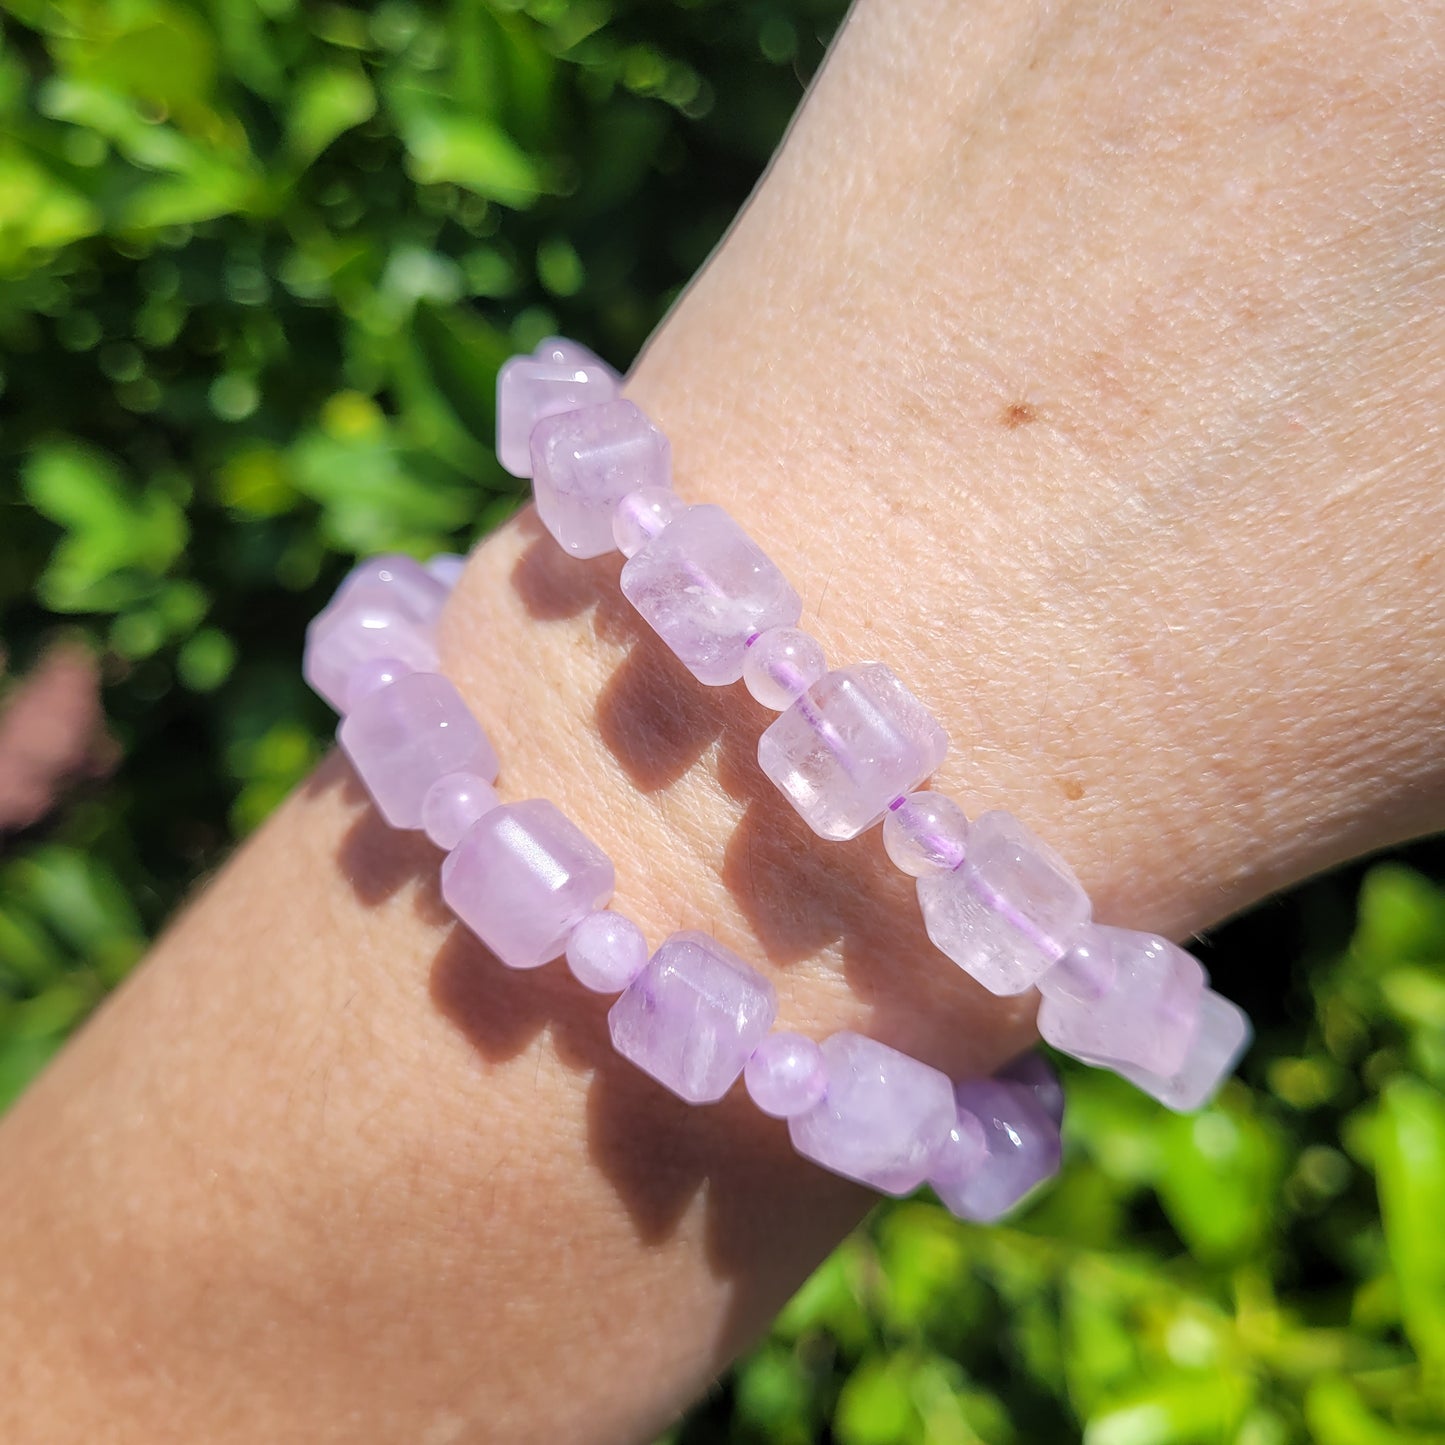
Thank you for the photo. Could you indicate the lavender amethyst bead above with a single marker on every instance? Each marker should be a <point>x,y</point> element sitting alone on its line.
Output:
<point>522,878</point>
<point>359,627</point>
<point>371,676</point>
<point>530,388</point>
<point>403,581</point>
<point>705,587</point>
<point>452,804</point>
<point>585,461</point>
<point>447,568</point>
<point>1220,1039</point>
<point>849,746</point>
<point>1147,1015</point>
<point>925,833</point>
<point>404,737</point>
<point>562,351</point>
<point>786,1075</point>
<point>1034,1072</point>
<point>606,952</point>
<point>884,1118</point>
<point>641,515</point>
<point>961,1155</point>
<point>1010,912</point>
<point>782,664</point>
<point>1022,1151</point>
<point>693,1017</point>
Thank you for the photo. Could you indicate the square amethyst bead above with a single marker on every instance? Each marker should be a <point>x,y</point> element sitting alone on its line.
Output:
<point>1010,911</point>
<point>883,1120</point>
<point>403,737</point>
<point>1121,997</point>
<point>693,1017</point>
<point>584,462</point>
<point>852,743</point>
<point>532,387</point>
<point>1021,1151</point>
<point>705,587</point>
<point>523,876</point>
<point>1220,1038</point>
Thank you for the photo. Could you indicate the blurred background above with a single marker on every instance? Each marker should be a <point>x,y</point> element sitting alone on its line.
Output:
<point>259,261</point>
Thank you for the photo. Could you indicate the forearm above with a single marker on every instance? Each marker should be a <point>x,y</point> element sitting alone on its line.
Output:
<point>1027,398</point>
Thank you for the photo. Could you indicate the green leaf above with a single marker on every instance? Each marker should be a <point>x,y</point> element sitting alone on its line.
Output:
<point>1410,1169</point>
<point>328,102</point>
<point>875,1406</point>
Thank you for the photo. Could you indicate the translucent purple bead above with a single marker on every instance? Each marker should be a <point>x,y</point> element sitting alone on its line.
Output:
<point>606,952</point>
<point>693,1017</point>
<point>705,587</point>
<point>781,664</point>
<point>1033,1071</point>
<point>371,676</point>
<point>1146,1017</point>
<point>961,1155</point>
<point>1220,1039</point>
<point>562,351</point>
<point>1010,912</point>
<point>404,737</point>
<point>786,1075</point>
<point>452,804</point>
<point>1022,1144</point>
<point>883,1119</point>
<point>447,568</point>
<point>363,623</point>
<point>851,744</point>
<point>400,580</point>
<point>585,461</point>
<point>530,388</point>
<point>641,515</point>
<point>925,833</point>
<point>522,878</point>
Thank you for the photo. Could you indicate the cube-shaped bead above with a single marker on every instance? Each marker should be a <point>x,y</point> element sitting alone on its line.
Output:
<point>585,461</point>
<point>883,1120</point>
<point>523,876</point>
<point>1010,912</point>
<point>416,591</point>
<point>1034,1072</point>
<point>363,624</point>
<point>705,587</point>
<point>565,352</point>
<point>1022,1150</point>
<point>1148,1011</point>
<point>852,743</point>
<point>530,388</point>
<point>1222,1035</point>
<point>693,1016</point>
<point>403,737</point>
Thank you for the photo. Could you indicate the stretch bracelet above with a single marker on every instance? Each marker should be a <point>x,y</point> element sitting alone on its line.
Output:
<point>532,886</point>
<point>851,746</point>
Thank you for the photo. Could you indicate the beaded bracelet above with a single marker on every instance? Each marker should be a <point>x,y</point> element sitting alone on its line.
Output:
<point>852,745</point>
<point>532,886</point>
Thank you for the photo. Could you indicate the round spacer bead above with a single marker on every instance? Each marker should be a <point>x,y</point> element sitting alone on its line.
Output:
<point>452,804</point>
<point>641,515</point>
<point>925,833</point>
<point>781,664</point>
<point>786,1075</point>
<point>606,951</point>
<point>371,676</point>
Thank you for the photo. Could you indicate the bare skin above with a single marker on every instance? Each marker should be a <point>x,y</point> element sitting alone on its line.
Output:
<point>1082,361</point>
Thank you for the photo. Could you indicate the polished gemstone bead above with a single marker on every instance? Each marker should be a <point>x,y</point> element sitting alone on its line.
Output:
<point>961,1155</point>
<point>452,804</point>
<point>781,664</point>
<point>447,568</point>
<point>415,591</point>
<point>884,1118</point>
<point>1010,912</point>
<point>705,587</point>
<point>404,737</point>
<point>359,628</point>
<point>1022,1150</point>
<point>606,952</point>
<point>562,351</point>
<point>641,515</point>
<point>1147,1015</point>
<point>522,878</point>
<point>925,833</point>
<point>585,461</point>
<point>1033,1071</point>
<point>530,388</point>
<point>369,676</point>
<point>851,744</point>
<point>1220,1039</point>
<point>693,1017</point>
<point>786,1075</point>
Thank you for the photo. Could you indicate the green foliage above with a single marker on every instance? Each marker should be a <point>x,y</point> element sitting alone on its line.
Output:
<point>258,266</point>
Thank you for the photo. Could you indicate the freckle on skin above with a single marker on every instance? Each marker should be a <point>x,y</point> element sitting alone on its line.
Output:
<point>1019,413</point>
<point>1073,789</point>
